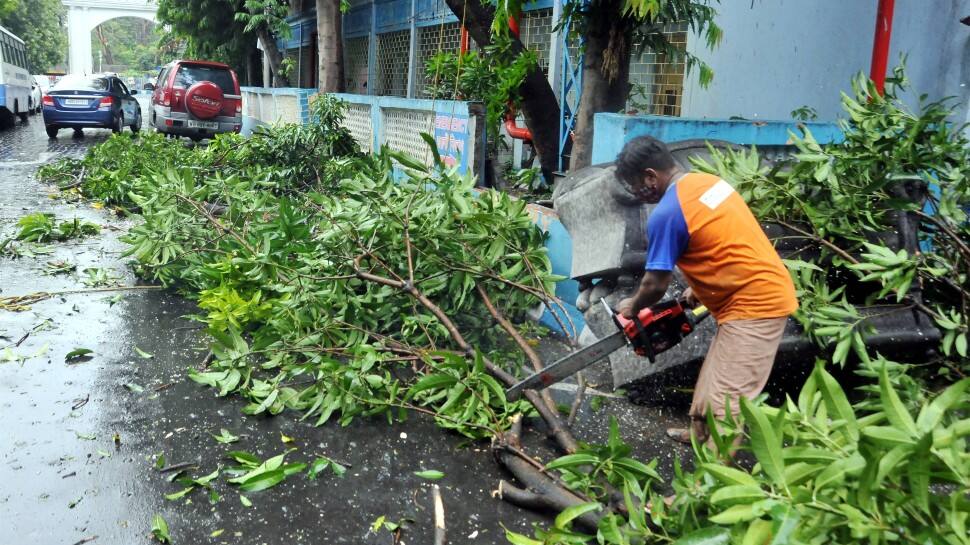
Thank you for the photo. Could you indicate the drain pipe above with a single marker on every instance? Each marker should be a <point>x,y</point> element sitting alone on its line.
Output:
<point>880,43</point>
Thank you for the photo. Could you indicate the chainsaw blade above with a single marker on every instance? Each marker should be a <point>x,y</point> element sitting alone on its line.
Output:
<point>568,365</point>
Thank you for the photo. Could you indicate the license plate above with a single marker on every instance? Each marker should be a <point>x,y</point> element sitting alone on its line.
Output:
<point>203,124</point>
<point>76,102</point>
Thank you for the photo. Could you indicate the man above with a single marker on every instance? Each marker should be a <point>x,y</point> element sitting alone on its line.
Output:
<point>705,228</point>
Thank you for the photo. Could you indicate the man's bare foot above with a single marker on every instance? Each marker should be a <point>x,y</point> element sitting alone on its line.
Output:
<point>681,435</point>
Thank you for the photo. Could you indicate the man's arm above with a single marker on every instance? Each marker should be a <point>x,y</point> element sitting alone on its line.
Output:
<point>652,287</point>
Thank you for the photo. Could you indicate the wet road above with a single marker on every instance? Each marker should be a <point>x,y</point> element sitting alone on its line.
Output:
<point>79,440</point>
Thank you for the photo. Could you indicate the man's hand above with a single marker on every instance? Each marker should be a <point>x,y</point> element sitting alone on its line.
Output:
<point>625,308</point>
<point>689,296</point>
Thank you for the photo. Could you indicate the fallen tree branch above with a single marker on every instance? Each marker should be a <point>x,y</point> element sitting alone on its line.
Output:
<point>517,337</point>
<point>439,517</point>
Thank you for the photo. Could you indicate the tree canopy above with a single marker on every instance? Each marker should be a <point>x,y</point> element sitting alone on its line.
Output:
<point>209,29</point>
<point>40,23</point>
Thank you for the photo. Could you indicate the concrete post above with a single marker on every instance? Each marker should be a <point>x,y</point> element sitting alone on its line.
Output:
<point>267,82</point>
<point>79,37</point>
<point>412,52</point>
<point>555,49</point>
<point>372,51</point>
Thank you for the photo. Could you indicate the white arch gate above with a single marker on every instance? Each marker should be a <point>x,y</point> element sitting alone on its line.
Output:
<point>84,15</point>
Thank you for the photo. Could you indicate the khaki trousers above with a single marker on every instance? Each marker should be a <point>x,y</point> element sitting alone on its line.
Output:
<point>737,364</point>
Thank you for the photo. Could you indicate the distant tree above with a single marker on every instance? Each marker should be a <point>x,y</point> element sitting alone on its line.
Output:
<point>267,19</point>
<point>131,43</point>
<point>7,7</point>
<point>208,29</point>
<point>40,23</point>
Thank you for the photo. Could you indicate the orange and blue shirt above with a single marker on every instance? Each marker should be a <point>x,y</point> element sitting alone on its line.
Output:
<point>705,228</point>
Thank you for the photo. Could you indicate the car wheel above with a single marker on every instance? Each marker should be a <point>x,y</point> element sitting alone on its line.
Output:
<point>52,131</point>
<point>119,124</point>
<point>22,116</point>
<point>136,126</point>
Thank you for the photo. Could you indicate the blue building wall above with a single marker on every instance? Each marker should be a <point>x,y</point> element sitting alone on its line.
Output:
<point>612,131</point>
<point>778,55</point>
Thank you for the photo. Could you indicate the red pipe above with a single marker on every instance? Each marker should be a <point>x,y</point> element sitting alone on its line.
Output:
<point>515,131</point>
<point>511,128</point>
<point>464,42</point>
<point>880,43</point>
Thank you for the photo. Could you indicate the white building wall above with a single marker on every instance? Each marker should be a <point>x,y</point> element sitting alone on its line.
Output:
<point>779,55</point>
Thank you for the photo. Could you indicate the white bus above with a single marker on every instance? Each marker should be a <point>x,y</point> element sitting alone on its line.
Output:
<point>14,79</point>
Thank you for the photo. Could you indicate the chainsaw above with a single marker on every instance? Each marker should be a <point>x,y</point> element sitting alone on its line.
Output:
<point>655,329</point>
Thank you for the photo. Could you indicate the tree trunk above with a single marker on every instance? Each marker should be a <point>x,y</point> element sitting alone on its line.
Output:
<point>606,76</point>
<point>539,104</point>
<point>330,46</point>
<point>274,56</point>
<point>108,57</point>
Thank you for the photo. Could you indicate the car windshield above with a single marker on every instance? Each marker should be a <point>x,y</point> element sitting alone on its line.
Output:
<point>81,83</point>
<point>189,75</point>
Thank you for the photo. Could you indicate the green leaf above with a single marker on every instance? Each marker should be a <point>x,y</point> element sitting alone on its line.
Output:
<point>764,442</point>
<point>430,474</point>
<point>433,145</point>
<point>245,501</point>
<point>730,495</point>
<point>243,457</point>
<point>712,535</point>
<point>160,529</point>
<point>895,410</point>
<point>785,520</point>
<point>264,480</point>
<point>836,473</point>
<point>836,402</point>
<point>180,494</point>
<point>574,511</point>
<point>918,472</point>
<point>572,460</point>
<point>730,475</point>
<point>143,354</point>
<point>225,436</point>
<point>758,533</point>
<point>519,539</point>
<point>932,414</point>
<point>735,514</point>
<point>78,353</point>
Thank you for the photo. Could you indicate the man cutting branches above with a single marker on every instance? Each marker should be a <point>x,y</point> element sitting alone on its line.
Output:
<point>702,226</point>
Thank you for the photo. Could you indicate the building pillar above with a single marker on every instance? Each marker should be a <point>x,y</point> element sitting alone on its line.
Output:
<point>267,81</point>
<point>555,48</point>
<point>79,39</point>
<point>412,52</point>
<point>372,52</point>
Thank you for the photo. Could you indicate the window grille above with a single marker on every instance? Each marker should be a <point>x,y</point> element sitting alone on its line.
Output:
<point>658,81</point>
<point>355,64</point>
<point>431,40</point>
<point>392,63</point>
<point>535,29</point>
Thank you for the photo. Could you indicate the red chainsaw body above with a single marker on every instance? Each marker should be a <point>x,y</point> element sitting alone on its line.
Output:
<point>657,328</point>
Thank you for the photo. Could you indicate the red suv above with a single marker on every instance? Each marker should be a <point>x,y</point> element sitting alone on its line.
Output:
<point>197,99</point>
